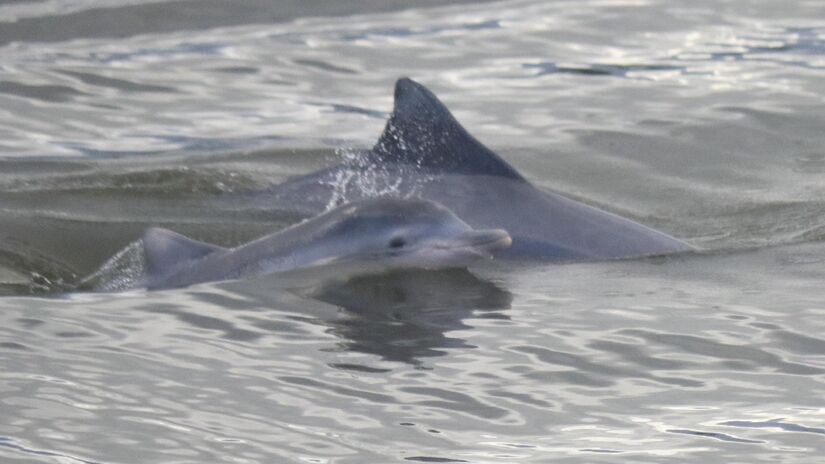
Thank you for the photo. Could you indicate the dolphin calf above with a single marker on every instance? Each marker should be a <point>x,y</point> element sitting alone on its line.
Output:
<point>364,237</point>
<point>424,152</point>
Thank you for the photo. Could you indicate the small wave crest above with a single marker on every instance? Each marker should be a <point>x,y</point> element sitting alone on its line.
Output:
<point>25,271</point>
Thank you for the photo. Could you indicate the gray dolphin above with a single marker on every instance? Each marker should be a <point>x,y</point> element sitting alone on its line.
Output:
<point>424,152</point>
<point>363,237</point>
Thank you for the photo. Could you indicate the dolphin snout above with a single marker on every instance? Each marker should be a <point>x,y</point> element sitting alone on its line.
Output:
<point>485,242</point>
<point>494,238</point>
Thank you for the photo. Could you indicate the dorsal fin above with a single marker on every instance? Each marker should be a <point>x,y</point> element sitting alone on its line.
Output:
<point>422,132</point>
<point>165,250</point>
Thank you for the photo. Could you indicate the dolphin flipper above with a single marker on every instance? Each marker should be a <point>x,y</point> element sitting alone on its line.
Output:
<point>422,132</point>
<point>165,250</point>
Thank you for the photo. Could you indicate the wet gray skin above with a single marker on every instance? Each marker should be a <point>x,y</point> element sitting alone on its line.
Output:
<point>425,152</point>
<point>362,237</point>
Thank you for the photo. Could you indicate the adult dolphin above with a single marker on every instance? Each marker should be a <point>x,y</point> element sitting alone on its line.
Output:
<point>367,236</point>
<point>424,152</point>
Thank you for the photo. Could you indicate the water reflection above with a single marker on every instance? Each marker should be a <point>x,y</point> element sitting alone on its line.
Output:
<point>404,316</point>
<point>400,316</point>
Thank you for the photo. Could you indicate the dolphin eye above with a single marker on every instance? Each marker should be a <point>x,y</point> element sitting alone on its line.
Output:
<point>397,242</point>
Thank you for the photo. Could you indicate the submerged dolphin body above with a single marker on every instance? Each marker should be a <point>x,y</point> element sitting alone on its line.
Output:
<point>358,238</point>
<point>424,152</point>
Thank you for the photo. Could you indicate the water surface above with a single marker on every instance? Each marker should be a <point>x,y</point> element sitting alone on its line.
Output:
<point>702,119</point>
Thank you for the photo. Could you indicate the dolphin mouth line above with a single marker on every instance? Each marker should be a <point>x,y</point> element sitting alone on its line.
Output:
<point>492,241</point>
<point>504,242</point>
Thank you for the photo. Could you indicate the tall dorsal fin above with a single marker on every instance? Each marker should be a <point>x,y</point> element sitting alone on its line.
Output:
<point>422,132</point>
<point>165,250</point>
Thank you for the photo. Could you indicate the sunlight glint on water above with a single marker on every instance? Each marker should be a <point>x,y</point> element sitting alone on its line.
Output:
<point>702,119</point>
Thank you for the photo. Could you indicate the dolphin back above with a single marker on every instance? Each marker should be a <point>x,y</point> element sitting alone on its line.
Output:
<point>167,251</point>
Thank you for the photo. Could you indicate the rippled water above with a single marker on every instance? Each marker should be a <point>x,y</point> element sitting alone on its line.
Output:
<point>703,119</point>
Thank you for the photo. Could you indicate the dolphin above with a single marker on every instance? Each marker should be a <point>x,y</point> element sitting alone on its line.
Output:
<point>424,152</point>
<point>364,237</point>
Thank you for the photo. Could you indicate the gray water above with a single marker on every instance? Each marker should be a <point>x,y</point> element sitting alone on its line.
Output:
<point>702,119</point>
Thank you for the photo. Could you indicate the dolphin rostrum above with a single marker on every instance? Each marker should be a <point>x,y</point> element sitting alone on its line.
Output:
<point>363,237</point>
<point>424,152</point>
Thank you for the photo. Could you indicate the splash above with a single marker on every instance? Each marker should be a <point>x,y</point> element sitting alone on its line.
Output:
<point>121,272</point>
<point>24,270</point>
<point>360,176</point>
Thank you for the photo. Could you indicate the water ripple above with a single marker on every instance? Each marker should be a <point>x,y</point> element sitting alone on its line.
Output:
<point>702,120</point>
